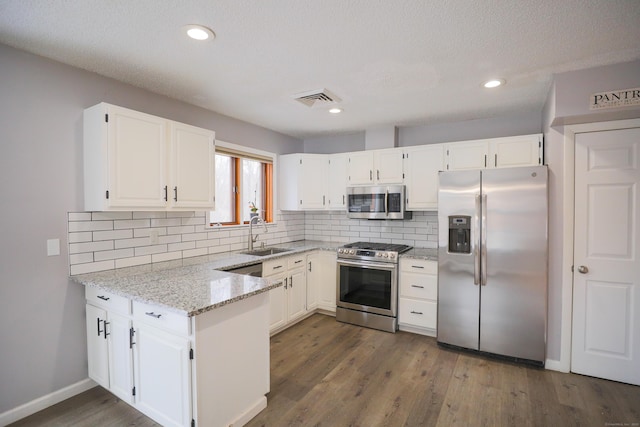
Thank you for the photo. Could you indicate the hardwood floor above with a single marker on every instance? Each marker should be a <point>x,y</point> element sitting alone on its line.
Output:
<point>325,373</point>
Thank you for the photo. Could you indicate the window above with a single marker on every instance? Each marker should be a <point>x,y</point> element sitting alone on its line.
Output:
<point>244,179</point>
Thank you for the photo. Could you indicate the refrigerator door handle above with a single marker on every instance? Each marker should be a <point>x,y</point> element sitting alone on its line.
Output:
<point>476,246</point>
<point>483,242</point>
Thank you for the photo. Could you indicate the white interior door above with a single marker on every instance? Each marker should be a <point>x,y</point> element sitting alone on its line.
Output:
<point>606,287</point>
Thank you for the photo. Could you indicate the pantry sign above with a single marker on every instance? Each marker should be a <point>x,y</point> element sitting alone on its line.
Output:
<point>615,99</point>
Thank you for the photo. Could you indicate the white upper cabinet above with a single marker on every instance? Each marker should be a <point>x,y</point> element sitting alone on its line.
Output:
<point>134,160</point>
<point>360,167</point>
<point>192,164</point>
<point>467,155</point>
<point>422,164</point>
<point>338,181</point>
<point>303,181</point>
<point>524,150</point>
<point>388,166</point>
<point>376,167</point>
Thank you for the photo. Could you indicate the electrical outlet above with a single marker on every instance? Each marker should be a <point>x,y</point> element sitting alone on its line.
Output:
<point>153,237</point>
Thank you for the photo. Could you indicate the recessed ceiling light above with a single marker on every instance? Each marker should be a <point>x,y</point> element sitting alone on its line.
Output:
<point>335,110</point>
<point>490,84</point>
<point>199,32</point>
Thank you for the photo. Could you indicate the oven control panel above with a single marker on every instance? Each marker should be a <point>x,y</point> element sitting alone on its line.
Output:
<point>368,254</point>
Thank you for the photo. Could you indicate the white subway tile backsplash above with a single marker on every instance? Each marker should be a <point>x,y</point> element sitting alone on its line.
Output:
<point>112,235</point>
<point>115,254</point>
<point>148,250</point>
<point>106,240</point>
<point>81,258</point>
<point>131,262</point>
<point>79,216</point>
<point>75,226</point>
<point>132,223</point>
<point>84,236</point>
<point>76,248</point>
<point>98,216</point>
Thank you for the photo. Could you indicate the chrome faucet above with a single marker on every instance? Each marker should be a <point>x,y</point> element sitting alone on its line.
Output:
<point>252,238</point>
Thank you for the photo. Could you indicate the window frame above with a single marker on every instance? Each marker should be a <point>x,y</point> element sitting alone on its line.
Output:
<point>237,152</point>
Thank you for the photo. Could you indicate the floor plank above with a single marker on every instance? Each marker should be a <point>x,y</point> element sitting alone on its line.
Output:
<point>327,373</point>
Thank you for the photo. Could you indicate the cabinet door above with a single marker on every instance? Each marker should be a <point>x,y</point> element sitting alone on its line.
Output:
<point>137,153</point>
<point>192,167</point>
<point>297,294</point>
<point>516,151</point>
<point>278,303</point>
<point>163,376</point>
<point>388,166</point>
<point>120,357</point>
<point>467,155</point>
<point>97,346</point>
<point>422,166</point>
<point>360,167</point>
<point>338,181</point>
<point>313,280</point>
<point>321,276</point>
<point>313,181</point>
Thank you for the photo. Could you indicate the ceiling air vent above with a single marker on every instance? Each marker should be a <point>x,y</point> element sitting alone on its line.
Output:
<point>316,98</point>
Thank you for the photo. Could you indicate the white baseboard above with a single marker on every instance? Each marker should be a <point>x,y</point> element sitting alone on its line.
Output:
<point>556,365</point>
<point>29,408</point>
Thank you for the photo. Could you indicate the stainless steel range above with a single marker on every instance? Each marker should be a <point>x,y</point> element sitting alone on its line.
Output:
<point>367,291</point>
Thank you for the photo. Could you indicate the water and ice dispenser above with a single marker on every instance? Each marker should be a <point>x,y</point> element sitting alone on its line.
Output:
<point>459,234</point>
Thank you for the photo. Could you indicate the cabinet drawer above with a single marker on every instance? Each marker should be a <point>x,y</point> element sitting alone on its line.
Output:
<point>297,261</point>
<point>161,318</point>
<point>417,285</point>
<point>275,266</point>
<point>411,265</point>
<point>107,300</point>
<point>417,313</point>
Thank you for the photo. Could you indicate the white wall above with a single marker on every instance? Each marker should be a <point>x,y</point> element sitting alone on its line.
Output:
<point>43,344</point>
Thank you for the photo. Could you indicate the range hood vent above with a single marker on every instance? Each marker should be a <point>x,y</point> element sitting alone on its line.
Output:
<point>319,97</point>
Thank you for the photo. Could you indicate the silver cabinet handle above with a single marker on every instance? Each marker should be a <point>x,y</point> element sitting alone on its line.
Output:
<point>103,298</point>
<point>285,283</point>
<point>291,282</point>
<point>476,249</point>
<point>309,266</point>
<point>105,329</point>
<point>298,261</point>
<point>483,243</point>
<point>152,314</point>
<point>175,194</point>
<point>416,312</point>
<point>417,286</point>
<point>277,267</point>
<point>417,266</point>
<point>378,174</point>
<point>583,269</point>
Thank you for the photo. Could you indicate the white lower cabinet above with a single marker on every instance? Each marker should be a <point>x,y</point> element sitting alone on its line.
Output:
<point>109,331</point>
<point>288,303</point>
<point>321,280</point>
<point>179,370</point>
<point>163,373</point>
<point>418,301</point>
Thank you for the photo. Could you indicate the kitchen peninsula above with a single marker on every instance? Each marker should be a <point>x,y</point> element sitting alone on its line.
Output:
<point>181,341</point>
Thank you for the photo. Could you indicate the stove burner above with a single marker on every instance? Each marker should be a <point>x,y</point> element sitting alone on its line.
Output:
<point>378,246</point>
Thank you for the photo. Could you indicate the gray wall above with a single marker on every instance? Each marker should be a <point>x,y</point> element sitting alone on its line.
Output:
<point>335,144</point>
<point>42,318</point>
<point>496,127</point>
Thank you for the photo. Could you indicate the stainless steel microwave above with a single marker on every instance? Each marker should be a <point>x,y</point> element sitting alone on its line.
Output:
<point>377,202</point>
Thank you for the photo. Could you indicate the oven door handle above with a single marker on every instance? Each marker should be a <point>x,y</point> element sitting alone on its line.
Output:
<point>368,264</point>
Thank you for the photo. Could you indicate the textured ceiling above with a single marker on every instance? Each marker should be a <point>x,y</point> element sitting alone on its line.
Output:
<point>402,62</point>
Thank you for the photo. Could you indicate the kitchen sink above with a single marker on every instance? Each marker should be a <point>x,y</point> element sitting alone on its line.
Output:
<point>266,251</point>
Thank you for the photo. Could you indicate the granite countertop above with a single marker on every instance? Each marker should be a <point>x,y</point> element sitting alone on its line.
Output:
<point>191,286</point>
<point>430,254</point>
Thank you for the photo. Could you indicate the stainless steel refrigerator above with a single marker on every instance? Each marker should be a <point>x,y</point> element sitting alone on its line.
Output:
<point>492,261</point>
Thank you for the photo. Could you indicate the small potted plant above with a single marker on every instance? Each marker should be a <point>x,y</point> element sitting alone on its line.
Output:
<point>254,209</point>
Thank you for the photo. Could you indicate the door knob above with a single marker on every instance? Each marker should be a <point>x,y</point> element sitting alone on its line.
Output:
<point>583,269</point>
